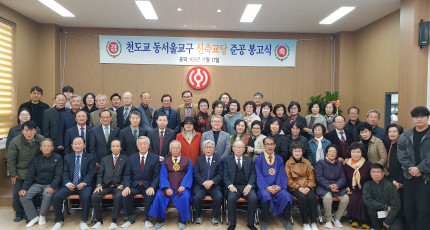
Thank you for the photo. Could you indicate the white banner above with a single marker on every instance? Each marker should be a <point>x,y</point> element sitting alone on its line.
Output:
<point>197,51</point>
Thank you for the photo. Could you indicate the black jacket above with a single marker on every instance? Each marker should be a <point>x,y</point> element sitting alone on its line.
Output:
<point>44,170</point>
<point>36,111</point>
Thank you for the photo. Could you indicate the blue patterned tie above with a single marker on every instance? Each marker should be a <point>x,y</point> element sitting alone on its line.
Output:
<point>77,170</point>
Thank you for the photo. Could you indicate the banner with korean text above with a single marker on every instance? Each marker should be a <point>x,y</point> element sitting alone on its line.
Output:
<point>197,51</point>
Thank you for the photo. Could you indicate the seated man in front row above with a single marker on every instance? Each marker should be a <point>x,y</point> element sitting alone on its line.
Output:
<point>141,176</point>
<point>208,172</point>
<point>380,195</point>
<point>239,179</point>
<point>110,181</point>
<point>272,184</point>
<point>78,173</point>
<point>176,179</point>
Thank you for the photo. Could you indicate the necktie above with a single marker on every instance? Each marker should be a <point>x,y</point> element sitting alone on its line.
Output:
<point>83,136</point>
<point>135,134</point>
<point>270,159</point>
<point>209,166</point>
<point>238,164</point>
<point>161,140</point>
<point>142,164</point>
<point>106,134</point>
<point>115,159</point>
<point>342,138</point>
<point>77,170</point>
<point>125,114</point>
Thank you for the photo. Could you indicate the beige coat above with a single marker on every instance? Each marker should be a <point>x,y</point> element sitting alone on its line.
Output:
<point>299,174</point>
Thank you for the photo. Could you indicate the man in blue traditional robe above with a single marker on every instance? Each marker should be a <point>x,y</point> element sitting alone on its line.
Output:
<point>176,179</point>
<point>272,184</point>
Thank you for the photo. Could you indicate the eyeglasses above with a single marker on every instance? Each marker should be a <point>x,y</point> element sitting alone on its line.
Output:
<point>270,144</point>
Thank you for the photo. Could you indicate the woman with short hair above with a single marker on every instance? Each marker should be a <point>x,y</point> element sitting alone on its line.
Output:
<point>232,116</point>
<point>266,118</point>
<point>255,143</point>
<point>217,109</point>
<point>294,109</point>
<point>202,117</point>
<point>250,107</point>
<point>330,114</point>
<point>280,139</point>
<point>314,118</point>
<point>317,144</point>
<point>240,128</point>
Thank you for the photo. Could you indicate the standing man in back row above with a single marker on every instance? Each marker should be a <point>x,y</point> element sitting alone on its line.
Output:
<point>172,114</point>
<point>146,110</point>
<point>123,112</point>
<point>413,152</point>
<point>35,106</point>
<point>188,109</point>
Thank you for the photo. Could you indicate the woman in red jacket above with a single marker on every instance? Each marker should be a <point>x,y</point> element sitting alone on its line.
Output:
<point>190,140</point>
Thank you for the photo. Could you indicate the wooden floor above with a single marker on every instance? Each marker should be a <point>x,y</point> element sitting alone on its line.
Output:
<point>72,222</point>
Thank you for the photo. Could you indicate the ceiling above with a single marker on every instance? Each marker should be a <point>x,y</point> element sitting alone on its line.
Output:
<point>275,15</point>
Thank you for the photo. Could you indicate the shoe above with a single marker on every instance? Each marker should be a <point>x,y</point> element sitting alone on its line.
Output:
<point>126,224</point>
<point>57,225</point>
<point>199,221</point>
<point>158,225</point>
<point>231,227</point>
<point>251,227</point>
<point>365,227</point>
<point>263,226</point>
<point>214,222</point>
<point>113,226</point>
<point>314,226</point>
<point>17,219</point>
<point>328,225</point>
<point>182,226</point>
<point>42,220</point>
<point>97,225</point>
<point>148,224</point>
<point>32,222</point>
<point>306,227</point>
<point>84,226</point>
<point>336,223</point>
<point>354,224</point>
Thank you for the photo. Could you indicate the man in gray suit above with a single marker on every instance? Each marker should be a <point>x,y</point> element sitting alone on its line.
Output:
<point>102,136</point>
<point>101,103</point>
<point>221,138</point>
<point>110,181</point>
<point>146,110</point>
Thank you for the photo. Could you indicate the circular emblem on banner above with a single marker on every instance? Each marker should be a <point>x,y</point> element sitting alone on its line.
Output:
<point>282,52</point>
<point>198,77</point>
<point>176,167</point>
<point>113,48</point>
<point>272,171</point>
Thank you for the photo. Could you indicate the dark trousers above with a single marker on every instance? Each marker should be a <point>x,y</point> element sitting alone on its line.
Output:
<point>232,198</point>
<point>217,198</point>
<point>377,223</point>
<point>265,212</point>
<point>96,199</point>
<point>63,193</point>
<point>16,203</point>
<point>416,201</point>
<point>307,205</point>
<point>128,202</point>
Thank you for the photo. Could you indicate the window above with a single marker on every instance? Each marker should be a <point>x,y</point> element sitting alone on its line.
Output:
<point>6,76</point>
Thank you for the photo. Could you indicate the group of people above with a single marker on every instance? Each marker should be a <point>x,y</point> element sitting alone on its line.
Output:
<point>379,176</point>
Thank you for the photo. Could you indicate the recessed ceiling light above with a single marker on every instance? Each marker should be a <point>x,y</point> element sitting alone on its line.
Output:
<point>218,10</point>
<point>147,10</point>
<point>179,9</point>
<point>185,25</point>
<point>213,26</point>
<point>57,8</point>
<point>251,10</point>
<point>339,13</point>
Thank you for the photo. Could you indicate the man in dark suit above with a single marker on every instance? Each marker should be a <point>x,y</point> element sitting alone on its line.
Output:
<point>78,173</point>
<point>239,179</point>
<point>115,100</point>
<point>161,137</point>
<point>146,110</point>
<point>172,114</point>
<point>102,135</point>
<point>81,129</point>
<point>220,138</point>
<point>340,137</point>
<point>110,181</point>
<point>35,105</point>
<point>141,177</point>
<point>123,112</point>
<point>53,123</point>
<point>208,173</point>
<point>129,134</point>
<point>258,100</point>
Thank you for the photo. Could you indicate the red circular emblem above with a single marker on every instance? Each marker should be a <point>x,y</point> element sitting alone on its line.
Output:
<point>113,48</point>
<point>282,52</point>
<point>198,77</point>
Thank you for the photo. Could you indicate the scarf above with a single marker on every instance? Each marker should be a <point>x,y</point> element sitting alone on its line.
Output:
<point>389,153</point>
<point>319,155</point>
<point>356,175</point>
